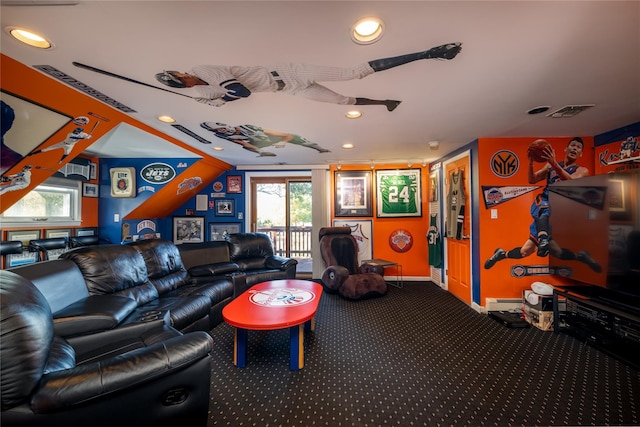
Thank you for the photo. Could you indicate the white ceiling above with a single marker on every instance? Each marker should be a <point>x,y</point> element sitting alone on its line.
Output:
<point>516,55</point>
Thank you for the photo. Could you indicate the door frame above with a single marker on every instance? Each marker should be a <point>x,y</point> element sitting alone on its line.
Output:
<point>468,178</point>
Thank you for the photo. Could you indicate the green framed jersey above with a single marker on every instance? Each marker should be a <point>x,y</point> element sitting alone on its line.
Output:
<point>399,193</point>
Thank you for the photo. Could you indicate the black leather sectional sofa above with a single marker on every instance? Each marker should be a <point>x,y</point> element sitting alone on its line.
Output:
<point>103,304</point>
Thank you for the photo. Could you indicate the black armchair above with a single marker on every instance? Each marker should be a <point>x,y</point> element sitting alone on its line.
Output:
<point>159,379</point>
<point>43,246</point>
<point>342,274</point>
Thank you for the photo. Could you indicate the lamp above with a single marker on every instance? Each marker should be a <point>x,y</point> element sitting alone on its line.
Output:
<point>434,145</point>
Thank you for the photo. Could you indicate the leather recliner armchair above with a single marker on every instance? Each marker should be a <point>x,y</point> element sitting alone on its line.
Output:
<point>161,378</point>
<point>342,274</point>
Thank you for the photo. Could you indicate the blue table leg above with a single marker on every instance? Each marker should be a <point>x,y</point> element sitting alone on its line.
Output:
<point>296,347</point>
<point>240,347</point>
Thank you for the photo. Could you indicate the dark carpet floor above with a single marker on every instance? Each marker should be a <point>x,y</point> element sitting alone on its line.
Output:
<point>419,357</point>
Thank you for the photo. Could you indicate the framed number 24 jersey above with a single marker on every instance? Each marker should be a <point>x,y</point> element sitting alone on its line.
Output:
<point>399,193</point>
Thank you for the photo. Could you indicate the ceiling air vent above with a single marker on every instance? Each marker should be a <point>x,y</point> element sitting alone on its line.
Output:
<point>570,110</point>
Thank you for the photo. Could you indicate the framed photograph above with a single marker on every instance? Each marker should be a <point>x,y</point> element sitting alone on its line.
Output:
<point>617,199</point>
<point>93,170</point>
<point>218,230</point>
<point>33,124</point>
<point>89,190</point>
<point>57,232</point>
<point>363,234</point>
<point>202,202</point>
<point>398,193</point>
<point>353,194</point>
<point>234,184</point>
<point>188,229</point>
<point>23,235</point>
<point>225,207</point>
<point>87,231</point>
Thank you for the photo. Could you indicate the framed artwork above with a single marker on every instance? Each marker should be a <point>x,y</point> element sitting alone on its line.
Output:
<point>398,193</point>
<point>32,124</point>
<point>433,187</point>
<point>617,199</point>
<point>225,207</point>
<point>353,194</point>
<point>234,184</point>
<point>93,170</point>
<point>23,235</point>
<point>188,229</point>
<point>57,232</point>
<point>218,230</point>
<point>89,190</point>
<point>202,202</point>
<point>25,257</point>
<point>87,231</point>
<point>363,234</point>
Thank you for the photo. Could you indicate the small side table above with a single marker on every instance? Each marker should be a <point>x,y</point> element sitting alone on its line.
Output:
<point>399,282</point>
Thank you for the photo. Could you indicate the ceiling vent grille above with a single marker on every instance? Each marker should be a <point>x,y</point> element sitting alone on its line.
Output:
<point>569,111</point>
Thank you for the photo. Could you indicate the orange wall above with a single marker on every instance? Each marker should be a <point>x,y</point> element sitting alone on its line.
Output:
<point>511,228</point>
<point>415,262</point>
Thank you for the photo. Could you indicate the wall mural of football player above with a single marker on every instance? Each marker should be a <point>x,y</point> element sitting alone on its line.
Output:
<point>255,138</point>
<point>221,84</point>
<point>539,232</point>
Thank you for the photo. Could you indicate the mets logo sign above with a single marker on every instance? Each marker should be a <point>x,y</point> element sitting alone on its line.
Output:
<point>504,163</point>
<point>281,297</point>
<point>157,173</point>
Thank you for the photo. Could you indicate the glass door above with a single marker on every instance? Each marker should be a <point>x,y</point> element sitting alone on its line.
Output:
<point>282,209</point>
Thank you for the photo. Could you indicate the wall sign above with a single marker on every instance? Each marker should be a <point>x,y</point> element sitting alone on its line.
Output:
<point>123,182</point>
<point>157,173</point>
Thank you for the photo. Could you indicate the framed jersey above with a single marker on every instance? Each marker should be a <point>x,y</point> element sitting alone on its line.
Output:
<point>398,193</point>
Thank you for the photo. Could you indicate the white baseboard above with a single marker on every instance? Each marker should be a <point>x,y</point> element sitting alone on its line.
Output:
<point>503,304</point>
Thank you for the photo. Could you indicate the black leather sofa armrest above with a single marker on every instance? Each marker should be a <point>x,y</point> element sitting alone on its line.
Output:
<point>95,313</point>
<point>85,383</point>
<point>213,269</point>
<point>280,263</point>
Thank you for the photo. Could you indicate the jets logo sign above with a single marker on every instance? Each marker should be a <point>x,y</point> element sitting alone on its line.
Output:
<point>158,173</point>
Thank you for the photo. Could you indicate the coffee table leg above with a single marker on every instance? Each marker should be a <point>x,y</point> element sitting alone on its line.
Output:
<point>310,325</point>
<point>296,347</point>
<point>240,347</point>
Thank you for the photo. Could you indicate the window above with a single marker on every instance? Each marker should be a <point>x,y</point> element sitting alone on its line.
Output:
<point>56,201</point>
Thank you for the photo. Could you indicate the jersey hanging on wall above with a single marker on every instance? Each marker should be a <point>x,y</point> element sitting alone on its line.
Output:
<point>455,205</point>
<point>434,242</point>
<point>398,193</point>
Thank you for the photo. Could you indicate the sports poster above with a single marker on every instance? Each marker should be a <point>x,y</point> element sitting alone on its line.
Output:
<point>398,193</point>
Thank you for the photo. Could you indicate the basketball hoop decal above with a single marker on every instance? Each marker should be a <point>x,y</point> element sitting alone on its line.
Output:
<point>286,297</point>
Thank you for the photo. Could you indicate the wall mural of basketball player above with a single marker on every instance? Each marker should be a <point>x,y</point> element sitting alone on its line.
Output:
<point>539,231</point>
<point>219,85</point>
<point>255,138</point>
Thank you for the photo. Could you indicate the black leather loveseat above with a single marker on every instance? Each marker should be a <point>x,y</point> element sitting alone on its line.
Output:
<point>147,375</point>
<point>248,257</point>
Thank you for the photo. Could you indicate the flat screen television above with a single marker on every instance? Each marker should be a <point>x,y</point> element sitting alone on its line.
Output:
<point>598,219</point>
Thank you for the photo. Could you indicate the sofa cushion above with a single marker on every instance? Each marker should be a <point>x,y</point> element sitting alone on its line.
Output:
<point>164,264</point>
<point>184,311</point>
<point>248,264</point>
<point>27,332</point>
<point>215,269</point>
<point>195,254</point>
<point>114,269</point>
<point>249,245</point>
<point>95,313</point>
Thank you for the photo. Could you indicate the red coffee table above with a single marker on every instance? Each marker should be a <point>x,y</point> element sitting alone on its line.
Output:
<point>276,304</point>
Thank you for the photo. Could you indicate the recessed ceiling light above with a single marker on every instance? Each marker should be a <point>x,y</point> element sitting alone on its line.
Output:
<point>29,37</point>
<point>367,30</point>
<point>218,148</point>
<point>347,146</point>
<point>354,114</point>
<point>166,119</point>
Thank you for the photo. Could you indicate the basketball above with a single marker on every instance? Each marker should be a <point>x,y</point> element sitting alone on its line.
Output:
<point>536,150</point>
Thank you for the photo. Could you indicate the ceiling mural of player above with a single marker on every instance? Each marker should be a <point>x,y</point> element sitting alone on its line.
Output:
<point>218,85</point>
<point>255,138</point>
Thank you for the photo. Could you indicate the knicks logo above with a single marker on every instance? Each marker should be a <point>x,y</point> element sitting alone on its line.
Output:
<point>401,241</point>
<point>504,163</point>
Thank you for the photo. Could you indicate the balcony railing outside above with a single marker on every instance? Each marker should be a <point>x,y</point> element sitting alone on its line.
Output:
<point>299,242</point>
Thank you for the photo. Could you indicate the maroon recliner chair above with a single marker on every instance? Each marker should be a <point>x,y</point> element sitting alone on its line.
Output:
<point>342,274</point>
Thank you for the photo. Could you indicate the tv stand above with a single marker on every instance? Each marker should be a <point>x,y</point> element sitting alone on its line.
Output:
<point>601,318</point>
